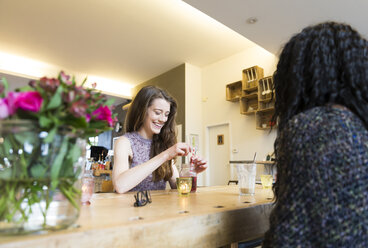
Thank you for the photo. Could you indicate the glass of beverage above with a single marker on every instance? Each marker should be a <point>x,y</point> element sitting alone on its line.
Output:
<point>246,178</point>
<point>266,180</point>
<point>184,185</point>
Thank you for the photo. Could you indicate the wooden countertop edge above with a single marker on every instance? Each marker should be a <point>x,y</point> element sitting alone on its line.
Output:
<point>195,231</point>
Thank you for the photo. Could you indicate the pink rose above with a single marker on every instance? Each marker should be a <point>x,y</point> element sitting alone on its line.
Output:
<point>4,109</point>
<point>29,101</point>
<point>104,113</point>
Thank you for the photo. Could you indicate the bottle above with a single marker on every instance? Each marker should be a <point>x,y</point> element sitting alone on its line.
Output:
<point>193,173</point>
<point>101,164</point>
<point>185,171</point>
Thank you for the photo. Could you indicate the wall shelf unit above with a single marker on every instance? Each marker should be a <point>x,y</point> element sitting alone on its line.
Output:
<point>264,119</point>
<point>248,105</point>
<point>255,95</point>
<point>234,91</point>
<point>250,77</point>
<point>266,97</point>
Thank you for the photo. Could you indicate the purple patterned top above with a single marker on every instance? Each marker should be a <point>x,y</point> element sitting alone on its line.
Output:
<point>141,148</point>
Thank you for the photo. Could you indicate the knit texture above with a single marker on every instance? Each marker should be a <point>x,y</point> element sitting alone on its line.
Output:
<point>141,148</point>
<point>322,182</point>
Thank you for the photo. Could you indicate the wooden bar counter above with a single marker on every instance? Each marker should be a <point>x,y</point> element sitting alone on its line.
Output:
<point>211,217</point>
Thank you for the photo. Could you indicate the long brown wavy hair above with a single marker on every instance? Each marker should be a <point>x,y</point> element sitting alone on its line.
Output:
<point>134,120</point>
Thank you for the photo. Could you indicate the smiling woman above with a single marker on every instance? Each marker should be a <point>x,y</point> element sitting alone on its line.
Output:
<point>144,155</point>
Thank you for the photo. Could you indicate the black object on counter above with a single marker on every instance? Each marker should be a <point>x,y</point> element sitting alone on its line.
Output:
<point>98,152</point>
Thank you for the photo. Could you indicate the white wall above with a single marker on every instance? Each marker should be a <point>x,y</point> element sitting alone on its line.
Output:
<point>193,109</point>
<point>216,110</point>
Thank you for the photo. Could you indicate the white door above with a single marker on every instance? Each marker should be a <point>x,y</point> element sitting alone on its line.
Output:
<point>219,155</point>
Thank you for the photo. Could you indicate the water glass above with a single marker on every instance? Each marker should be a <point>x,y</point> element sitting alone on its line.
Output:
<point>246,178</point>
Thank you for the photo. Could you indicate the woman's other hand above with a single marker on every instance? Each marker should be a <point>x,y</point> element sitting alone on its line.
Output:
<point>199,164</point>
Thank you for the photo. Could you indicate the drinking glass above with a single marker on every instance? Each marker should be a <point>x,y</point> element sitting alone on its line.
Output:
<point>246,178</point>
<point>266,180</point>
<point>184,185</point>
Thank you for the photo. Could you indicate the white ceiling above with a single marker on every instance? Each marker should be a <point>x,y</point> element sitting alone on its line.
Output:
<point>278,20</point>
<point>123,40</point>
<point>131,41</point>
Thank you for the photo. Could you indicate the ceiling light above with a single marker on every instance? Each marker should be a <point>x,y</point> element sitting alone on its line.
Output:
<point>110,87</point>
<point>22,66</point>
<point>252,20</point>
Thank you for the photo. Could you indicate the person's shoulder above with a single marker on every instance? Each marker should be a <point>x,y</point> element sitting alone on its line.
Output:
<point>122,141</point>
<point>316,115</point>
<point>122,144</point>
<point>308,118</point>
<point>326,120</point>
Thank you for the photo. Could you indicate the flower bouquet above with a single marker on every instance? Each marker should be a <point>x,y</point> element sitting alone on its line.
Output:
<point>43,131</point>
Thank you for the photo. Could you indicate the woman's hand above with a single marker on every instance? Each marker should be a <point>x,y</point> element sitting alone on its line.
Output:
<point>199,164</point>
<point>179,149</point>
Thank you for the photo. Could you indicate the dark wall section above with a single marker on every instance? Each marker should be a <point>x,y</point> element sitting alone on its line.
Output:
<point>173,81</point>
<point>106,139</point>
<point>119,128</point>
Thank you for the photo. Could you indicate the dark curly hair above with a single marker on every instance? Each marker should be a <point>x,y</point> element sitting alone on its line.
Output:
<point>323,64</point>
<point>166,138</point>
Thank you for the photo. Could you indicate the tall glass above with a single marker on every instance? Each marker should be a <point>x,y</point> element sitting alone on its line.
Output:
<point>246,178</point>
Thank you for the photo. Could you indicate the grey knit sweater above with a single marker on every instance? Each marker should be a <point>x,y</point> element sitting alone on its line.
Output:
<point>322,179</point>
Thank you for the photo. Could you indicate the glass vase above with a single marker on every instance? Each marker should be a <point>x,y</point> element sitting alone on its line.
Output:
<point>39,177</point>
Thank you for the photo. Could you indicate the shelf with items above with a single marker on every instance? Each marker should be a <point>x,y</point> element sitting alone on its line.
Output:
<point>234,91</point>
<point>248,105</point>
<point>264,119</point>
<point>266,98</point>
<point>265,86</point>
<point>255,94</point>
<point>250,77</point>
